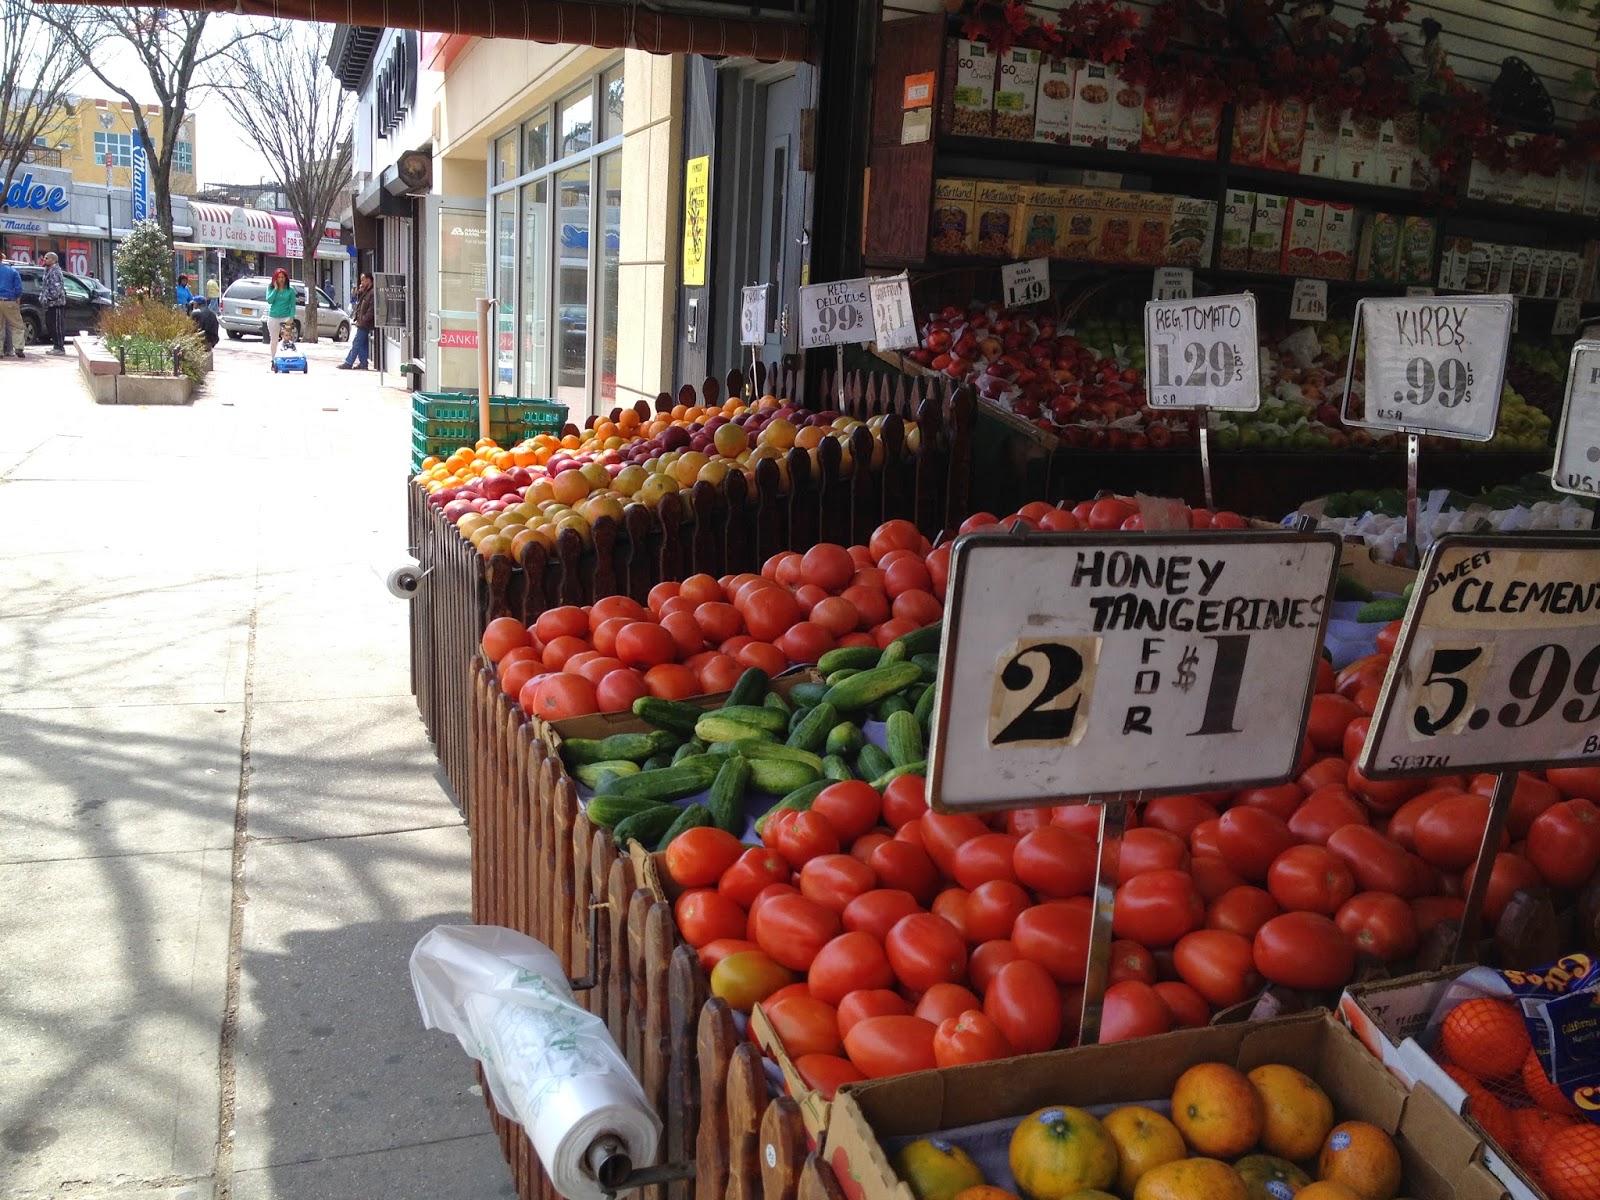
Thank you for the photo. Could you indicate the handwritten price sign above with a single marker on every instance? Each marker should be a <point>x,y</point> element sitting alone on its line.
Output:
<point>1202,353</point>
<point>1026,282</point>
<point>833,314</point>
<point>753,315</point>
<point>1498,663</point>
<point>1077,665</point>
<point>1577,468</point>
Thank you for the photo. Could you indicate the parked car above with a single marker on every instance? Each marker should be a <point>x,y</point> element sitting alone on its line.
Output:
<point>244,310</point>
<point>84,303</point>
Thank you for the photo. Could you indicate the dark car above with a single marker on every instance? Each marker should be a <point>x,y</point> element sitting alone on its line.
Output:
<point>84,303</point>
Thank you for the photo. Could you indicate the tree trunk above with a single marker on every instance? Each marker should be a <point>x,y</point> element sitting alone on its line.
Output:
<point>308,272</point>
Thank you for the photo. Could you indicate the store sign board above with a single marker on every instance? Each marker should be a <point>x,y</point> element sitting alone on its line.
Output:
<point>1577,467</point>
<point>1433,365</point>
<point>389,300</point>
<point>24,193</point>
<point>141,183</point>
<point>1026,282</point>
<point>1076,665</point>
<point>892,317</point>
<point>1498,663</point>
<point>835,314</point>
<point>16,225</point>
<point>1202,353</point>
<point>235,233</point>
<point>696,219</point>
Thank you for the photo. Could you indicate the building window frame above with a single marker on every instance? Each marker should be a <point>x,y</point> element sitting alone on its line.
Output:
<point>118,145</point>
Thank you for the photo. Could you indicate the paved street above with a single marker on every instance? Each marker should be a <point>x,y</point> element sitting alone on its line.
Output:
<point>222,828</point>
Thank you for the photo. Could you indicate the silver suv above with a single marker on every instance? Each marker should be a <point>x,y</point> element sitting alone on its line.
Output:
<point>244,310</point>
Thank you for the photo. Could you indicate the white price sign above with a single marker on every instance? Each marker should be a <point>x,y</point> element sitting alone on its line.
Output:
<point>833,314</point>
<point>1173,283</point>
<point>753,315</point>
<point>1026,282</point>
<point>1568,313</point>
<point>1432,365</point>
<point>1310,300</point>
<point>1577,468</point>
<point>1202,353</point>
<point>892,316</point>
<point>1078,665</point>
<point>1498,663</point>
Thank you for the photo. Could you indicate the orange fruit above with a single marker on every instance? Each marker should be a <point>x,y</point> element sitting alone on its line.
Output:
<point>1145,1140</point>
<point>1218,1110</point>
<point>1363,1158</point>
<point>1486,1037</point>
<point>1191,1179</point>
<point>1484,1107</point>
<point>984,1192</point>
<point>1570,1165</point>
<point>1541,1091</point>
<point>1269,1178</point>
<point>1057,1151</point>
<point>1298,1113</point>
<point>935,1169</point>
<point>1532,1129</point>
<point>1326,1189</point>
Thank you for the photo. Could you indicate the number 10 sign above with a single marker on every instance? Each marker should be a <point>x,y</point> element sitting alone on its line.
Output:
<point>1078,665</point>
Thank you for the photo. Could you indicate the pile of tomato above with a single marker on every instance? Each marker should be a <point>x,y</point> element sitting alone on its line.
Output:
<point>880,937</point>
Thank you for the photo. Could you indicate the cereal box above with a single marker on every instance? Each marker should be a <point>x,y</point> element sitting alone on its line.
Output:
<point>1418,235</point>
<point>1319,147</point>
<point>1266,233</point>
<point>1014,94</point>
<point>1118,215</point>
<point>1480,180</point>
<point>1336,243</point>
<point>1202,125</point>
<point>1163,123</point>
<point>973,95</point>
<point>1286,134</point>
<point>1498,278</point>
<point>1570,182</point>
<point>1038,227</point>
<point>1194,229</point>
<point>1250,123</point>
<point>1091,106</point>
<point>1358,157</point>
<point>1453,258</point>
<point>1301,233</point>
<point>995,210</point>
<point>1238,215</point>
<point>1480,256</point>
<point>1539,191</point>
<point>1591,192</point>
<point>1080,228</point>
<point>1052,114</point>
<point>1126,122</point>
<point>1400,151</point>
<point>1153,217</point>
<point>953,229</point>
<point>1378,253</point>
<point>1521,267</point>
<point>1539,274</point>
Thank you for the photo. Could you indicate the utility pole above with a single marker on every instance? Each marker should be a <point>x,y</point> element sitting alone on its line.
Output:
<point>106,121</point>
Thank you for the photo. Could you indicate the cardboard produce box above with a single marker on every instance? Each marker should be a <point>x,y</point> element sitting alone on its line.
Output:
<point>1440,1154</point>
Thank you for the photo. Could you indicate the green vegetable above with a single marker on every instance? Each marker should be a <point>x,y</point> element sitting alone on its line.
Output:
<point>755,748</point>
<point>867,688</point>
<point>845,738</point>
<point>799,800</point>
<point>1382,611</point>
<point>888,707</point>
<point>856,657</point>
<point>1348,587</point>
<point>756,715</point>
<point>841,675</point>
<point>889,776</point>
<point>714,727</point>
<point>672,783</point>
<point>693,817</point>
<point>608,811</point>
<point>689,749</point>
<point>924,709</point>
<point>777,703</point>
<point>812,732</point>
<point>834,767</point>
<point>749,688</point>
<point>807,695</point>
<point>929,665</point>
<point>918,641</point>
<point>872,762</point>
<point>635,747</point>
<point>726,800</point>
<point>645,827</point>
<point>657,761</point>
<point>668,714</point>
<point>780,775</point>
<point>589,773</point>
<point>904,740</point>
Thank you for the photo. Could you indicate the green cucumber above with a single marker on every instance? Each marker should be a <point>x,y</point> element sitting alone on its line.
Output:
<point>812,732</point>
<point>1381,612</point>
<point>755,714</point>
<point>755,748</point>
<point>920,641</point>
<point>645,827</point>
<point>657,761</point>
<point>929,664</point>
<point>807,695</point>
<point>749,688</point>
<point>689,749</point>
<point>841,657</point>
<point>841,675</point>
<point>1348,587</point>
<point>668,714</point>
<point>867,688</point>
<point>726,800</point>
<point>924,708</point>
<point>889,776</point>
<point>607,811</point>
<point>904,740</point>
<point>799,800</point>
<point>777,703</point>
<point>690,776</point>
<point>714,727</point>
<point>885,709</point>
<point>589,773</point>
<point>781,775</point>
<point>693,817</point>
<point>834,767</point>
<point>844,738</point>
<point>797,718</point>
<point>635,747</point>
<point>872,762</point>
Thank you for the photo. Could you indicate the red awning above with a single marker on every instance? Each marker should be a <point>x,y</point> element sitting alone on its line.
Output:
<point>573,22</point>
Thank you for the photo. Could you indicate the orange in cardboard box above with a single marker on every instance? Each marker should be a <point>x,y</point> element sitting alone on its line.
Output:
<point>1298,1113</point>
<point>1058,1151</point>
<point>1363,1158</point>
<point>1145,1140</point>
<point>1192,1179</point>
<point>1218,1110</point>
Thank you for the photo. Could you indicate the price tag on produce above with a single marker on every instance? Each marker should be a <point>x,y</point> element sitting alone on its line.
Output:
<point>892,316</point>
<point>1432,365</point>
<point>1173,283</point>
<point>753,315</point>
<point>1078,665</point>
<point>1568,312</point>
<point>1202,353</point>
<point>1577,468</point>
<point>1498,663</point>
<point>1026,282</point>
<point>833,314</point>
<point>1310,300</point>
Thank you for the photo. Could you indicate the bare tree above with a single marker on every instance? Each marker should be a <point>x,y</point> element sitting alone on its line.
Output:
<point>36,68</point>
<point>284,97</point>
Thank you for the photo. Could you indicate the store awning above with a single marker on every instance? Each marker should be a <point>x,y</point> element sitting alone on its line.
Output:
<point>666,28</point>
<point>230,228</point>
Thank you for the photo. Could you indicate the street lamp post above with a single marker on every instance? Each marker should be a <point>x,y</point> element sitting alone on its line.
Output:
<point>106,121</point>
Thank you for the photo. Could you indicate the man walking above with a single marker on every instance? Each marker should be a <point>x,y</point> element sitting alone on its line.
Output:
<point>53,296</point>
<point>182,294</point>
<point>365,323</point>
<point>16,333</point>
<point>213,293</point>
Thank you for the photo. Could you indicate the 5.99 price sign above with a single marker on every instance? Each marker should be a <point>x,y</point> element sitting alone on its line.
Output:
<point>1498,664</point>
<point>1080,665</point>
<point>1202,353</point>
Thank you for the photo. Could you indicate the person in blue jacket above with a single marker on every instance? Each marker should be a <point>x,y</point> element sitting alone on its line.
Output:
<point>182,294</point>
<point>15,332</point>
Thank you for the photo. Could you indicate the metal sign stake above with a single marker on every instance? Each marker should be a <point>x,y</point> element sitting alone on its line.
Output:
<point>838,358</point>
<point>1113,824</point>
<point>1413,452</point>
<point>1505,785</point>
<point>1205,458</point>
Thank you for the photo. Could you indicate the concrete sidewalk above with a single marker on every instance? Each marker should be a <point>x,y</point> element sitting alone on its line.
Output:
<point>222,828</point>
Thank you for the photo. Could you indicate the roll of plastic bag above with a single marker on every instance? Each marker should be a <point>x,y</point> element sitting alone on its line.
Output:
<point>551,1065</point>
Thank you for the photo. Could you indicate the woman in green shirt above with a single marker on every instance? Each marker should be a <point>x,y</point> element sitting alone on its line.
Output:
<point>280,308</point>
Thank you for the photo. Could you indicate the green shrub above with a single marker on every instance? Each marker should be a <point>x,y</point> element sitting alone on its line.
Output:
<point>144,262</point>
<point>144,333</point>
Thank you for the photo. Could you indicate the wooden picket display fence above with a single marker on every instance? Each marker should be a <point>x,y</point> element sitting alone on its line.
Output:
<point>715,529</point>
<point>539,867</point>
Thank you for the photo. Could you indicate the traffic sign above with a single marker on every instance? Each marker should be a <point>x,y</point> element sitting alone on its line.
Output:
<point>1202,353</point>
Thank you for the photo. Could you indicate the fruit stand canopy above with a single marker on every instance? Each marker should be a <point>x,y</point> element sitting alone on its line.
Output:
<point>698,27</point>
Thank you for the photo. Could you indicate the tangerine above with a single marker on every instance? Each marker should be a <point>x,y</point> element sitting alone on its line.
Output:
<point>1192,1179</point>
<point>1298,1113</point>
<point>1532,1129</point>
<point>1570,1164</point>
<point>1267,1177</point>
<point>1486,1037</point>
<point>1218,1110</point>
<point>1327,1189</point>
<point>1145,1140</point>
<point>1541,1091</point>
<point>1057,1151</point>
<point>1484,1106</point>
<point>1363,1158</point>
<point>935,1169</point>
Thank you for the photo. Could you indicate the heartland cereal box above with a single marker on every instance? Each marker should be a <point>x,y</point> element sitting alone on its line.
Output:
<point>973,95</point>
<point>1091,106</point>
<point>1319,147</point>
<point>1336,243</point>
<point>1570,182</point>
<point>1194,230</point>
<point>1250,122</point>
<point>954,229</point>
<point>1418,235</point>
<point>1052,114</point>
<point>1126,124</point>
<point>1038,228</point>
<point>1163,123</point>
<point>1266,232</point>
<point>1358,149</point>
<point>1081,221</point>
<point>1202,126</point>
<point>1286,134</point>
<point>1302,231</point>
<point>1118,215</point>
<point>1152,229</point>
<point>995,209</point>
<point>1015,92</point>
<point>1378,253</point>
<point>1539,274</point>
<point>1238,215</point>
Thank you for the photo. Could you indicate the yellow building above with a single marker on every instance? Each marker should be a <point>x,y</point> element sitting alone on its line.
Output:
<point>86,130</point>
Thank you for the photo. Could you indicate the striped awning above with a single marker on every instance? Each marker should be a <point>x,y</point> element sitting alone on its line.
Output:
<point>233,228</point>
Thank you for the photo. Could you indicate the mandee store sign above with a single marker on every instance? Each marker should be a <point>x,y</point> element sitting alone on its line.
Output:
<point>233,228</point>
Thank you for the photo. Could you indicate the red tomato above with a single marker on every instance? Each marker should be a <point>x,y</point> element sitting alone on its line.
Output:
<point>1218,965</point>
<point>1129,960</point>
<point>1110,513</point>
<point>1250,839</point>
<point>848,963</point>
<point>943,832</point>
<point>1531,797</point>
<point>1402,826</point>
<point>969,1037</point>
<point>714,952</point>
<point>1025,820</point>
<point>1056,936</point>
<point>1448,834</point>
<point>1376,863</point>
<point>704,914</point>
<point>1430,911</point>
<point>1381,797</point>
<point>828,566</point>
<point>874,1002</point>
<point>993,908</point>
<point>983,858</point>
<point>804,1024</point>
<point>877,912</point>
<point>1389,635</point>
<point>1082,819</point>
<point>906,867</point>
<point>1205,839</point>
<point>1157,908</point>
<point>881,1046</point>
<point>792,929</point>
<point>1242,910</point>
<point>805,642</point>
<point>951,904</point>
<point>1178,814</point>
<point>861,849</point>
<point>911,832</point>
<point>802,836</point>
<point>925,949</point>
<point>1304,950</point>
<point>1510,874</point>
<point>1144,850</point>
<point>1133,1009</point>
<point>1025,1004</point>
<point>1187,1006</point>
<point>1330,714</point>
<point>752,871</point>
<point>1379,926</point>
<point>826,1073</point>
<point>905,799</point>
<point>833,880</point>
<point>1310,879</point>
<point>700,857</point>
<point>1213,877</point>
<point>1055,862</point>
<point>1332,769</point>
<point>986,959</point>
<point>1576,781</point>
<point>1281,801</point>
<point>1564,842</point>
<point>501,636</point>
<point>767,893</point>
<point>851,807</point>
<point>1364,672</point>
<point>1328,808</point>
<point>768,612</point>
<point>945,1000</point>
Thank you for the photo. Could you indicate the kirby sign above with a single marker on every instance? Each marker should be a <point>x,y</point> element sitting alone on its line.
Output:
<point>24,193</point>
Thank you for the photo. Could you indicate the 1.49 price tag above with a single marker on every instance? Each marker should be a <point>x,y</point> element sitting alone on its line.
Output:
<point>1077,665</point>
<point>833,314</point>
<point>1026,282</point>
<point>1577,468</point>
<point>1498,663</point>
<point>1202,353</point>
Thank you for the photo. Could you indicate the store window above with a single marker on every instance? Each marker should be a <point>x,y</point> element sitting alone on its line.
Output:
<point>118,145</point>
<point>557,203</point>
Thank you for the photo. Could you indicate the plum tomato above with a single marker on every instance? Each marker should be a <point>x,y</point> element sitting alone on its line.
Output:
<point>1187,1006</point>
<point>1243,910</point>
<point>1133,1009</point>
<point>848,963</point>
<point>1250,839</point>
<point>1147,849</point>
<point>1157,908</point>
<point>700,857</point>
<point>1055,935</point>
<point>872,1002</point>
<point>1304,950</point>
<point>882,1046</point>
<point>852,807</point>
<point>804,1024</point>
<point>1055,862</point>
<point>1379,925</point>
<point>878,911</point>
<point>793,929</point>
<point>945,1000</point>
<point>1217,964</point>
<point>925,949</point>
<point>969,1037</point>
<point>1310,879</point>
<point>1024,1002</point>
<point>833,880</point>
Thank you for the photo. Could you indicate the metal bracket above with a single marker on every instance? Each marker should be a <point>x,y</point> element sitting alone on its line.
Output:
<point>607,1162</point>
<point>590,981</point>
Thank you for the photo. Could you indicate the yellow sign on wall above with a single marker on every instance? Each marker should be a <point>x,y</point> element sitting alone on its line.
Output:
<point>696,220</point>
